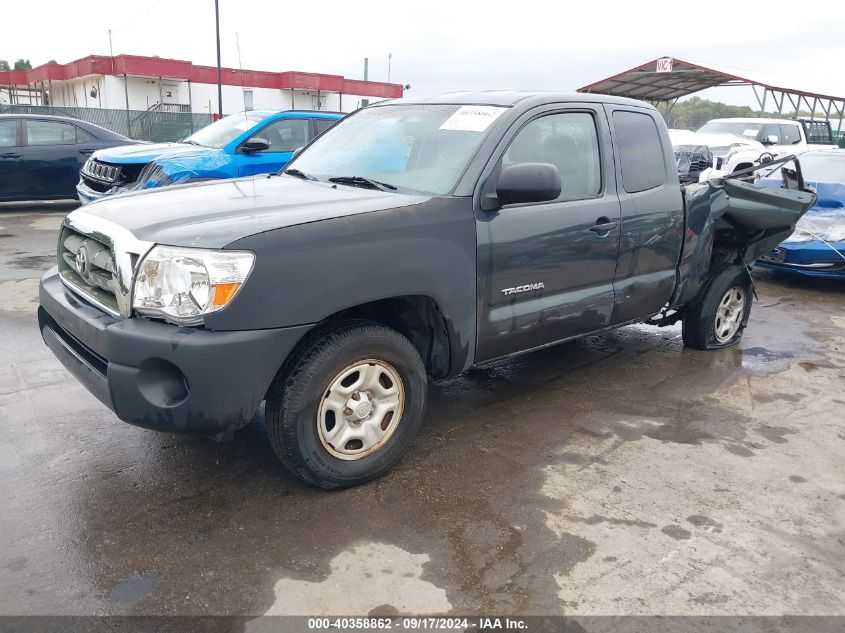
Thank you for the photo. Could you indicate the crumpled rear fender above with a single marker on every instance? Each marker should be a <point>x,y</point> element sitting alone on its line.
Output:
<point>729,221</point>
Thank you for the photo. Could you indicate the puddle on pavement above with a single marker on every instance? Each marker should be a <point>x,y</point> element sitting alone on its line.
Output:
<point>365,579</point>
<point>33,262</point>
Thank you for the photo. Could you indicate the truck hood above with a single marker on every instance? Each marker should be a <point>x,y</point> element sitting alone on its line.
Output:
<point>216,213</point>
<point>147,152</point>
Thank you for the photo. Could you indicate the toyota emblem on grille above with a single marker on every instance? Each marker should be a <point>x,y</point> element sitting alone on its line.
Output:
<point>83,266</point>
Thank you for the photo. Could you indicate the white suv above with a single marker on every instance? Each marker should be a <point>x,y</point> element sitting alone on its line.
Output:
<point>780,136</point>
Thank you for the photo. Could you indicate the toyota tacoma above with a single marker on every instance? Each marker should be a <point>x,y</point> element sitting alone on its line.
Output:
<point>409,242</point>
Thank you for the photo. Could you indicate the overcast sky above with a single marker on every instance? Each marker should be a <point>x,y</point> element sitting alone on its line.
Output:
<point>441,45</point>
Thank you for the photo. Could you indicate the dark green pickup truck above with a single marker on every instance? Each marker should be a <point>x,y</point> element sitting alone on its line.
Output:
<point>411,241</point>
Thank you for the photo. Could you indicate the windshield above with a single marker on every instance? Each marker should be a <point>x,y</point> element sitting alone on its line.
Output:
<point>226,129</point>
<point>414,148</point>
<point>817,168</point>
<point>748,130</point>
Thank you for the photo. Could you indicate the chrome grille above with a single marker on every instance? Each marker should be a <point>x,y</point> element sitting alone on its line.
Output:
<point>103,271</point>
<point>87,265</point>
<point>102,172</point>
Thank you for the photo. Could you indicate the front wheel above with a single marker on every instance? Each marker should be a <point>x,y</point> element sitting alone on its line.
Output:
<point>718,318</point>
<point>348,405</point>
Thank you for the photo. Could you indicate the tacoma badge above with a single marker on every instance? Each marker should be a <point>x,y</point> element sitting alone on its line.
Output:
<point>524,288</point>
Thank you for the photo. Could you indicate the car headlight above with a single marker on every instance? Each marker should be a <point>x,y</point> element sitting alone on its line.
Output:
<point>829,229</point>
<point>182,285</point>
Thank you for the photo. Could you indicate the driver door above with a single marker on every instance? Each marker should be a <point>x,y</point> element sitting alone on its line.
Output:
<point>284,136</point>
<point>546,268</point>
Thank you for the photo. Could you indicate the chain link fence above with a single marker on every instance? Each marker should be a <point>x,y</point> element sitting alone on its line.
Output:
<point>141,125</point>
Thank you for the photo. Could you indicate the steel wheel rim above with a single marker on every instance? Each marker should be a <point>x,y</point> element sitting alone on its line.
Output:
<point>729,315</point>
<point>360,409</point>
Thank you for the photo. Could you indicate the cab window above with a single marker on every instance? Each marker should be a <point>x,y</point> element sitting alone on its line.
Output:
<point>567,140</point>
<point>771,129</point>
<point>790,134</point>
<point>640,151</point>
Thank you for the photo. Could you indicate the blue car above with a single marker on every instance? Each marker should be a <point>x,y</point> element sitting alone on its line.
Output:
<point>243,144</point>
<point>817,247</point>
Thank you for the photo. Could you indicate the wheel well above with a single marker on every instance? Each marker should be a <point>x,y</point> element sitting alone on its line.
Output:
<point>416,317</point>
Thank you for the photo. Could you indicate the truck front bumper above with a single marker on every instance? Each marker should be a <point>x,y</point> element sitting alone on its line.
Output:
<point>158,375</point>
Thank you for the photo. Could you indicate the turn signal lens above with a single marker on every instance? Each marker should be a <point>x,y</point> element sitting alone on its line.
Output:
<point>223,293</point>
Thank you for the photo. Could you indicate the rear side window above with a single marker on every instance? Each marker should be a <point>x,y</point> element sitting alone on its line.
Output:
<point>83,137</point>
<point>323,124</point>
<point>640,151</point>
<point>50,133</point>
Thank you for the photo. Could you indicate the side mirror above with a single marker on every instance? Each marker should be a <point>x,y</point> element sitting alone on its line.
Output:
<point>771,139</point>
<point>255,144</point>
<point>528,182</point>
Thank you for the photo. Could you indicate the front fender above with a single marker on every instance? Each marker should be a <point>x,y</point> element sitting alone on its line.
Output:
<point>309,272</point>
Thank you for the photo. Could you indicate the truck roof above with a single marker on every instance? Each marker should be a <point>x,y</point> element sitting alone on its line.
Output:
<point>513,97</point>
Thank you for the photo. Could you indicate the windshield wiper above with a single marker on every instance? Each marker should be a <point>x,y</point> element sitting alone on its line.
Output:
<point>299,174</point>
<point>360,181</point>
<point>193,143</point>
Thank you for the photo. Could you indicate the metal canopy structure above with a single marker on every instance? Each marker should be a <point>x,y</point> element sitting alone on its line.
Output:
<point>667,79</point>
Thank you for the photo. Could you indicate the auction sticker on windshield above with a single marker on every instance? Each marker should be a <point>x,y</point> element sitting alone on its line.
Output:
<point>472,118</point>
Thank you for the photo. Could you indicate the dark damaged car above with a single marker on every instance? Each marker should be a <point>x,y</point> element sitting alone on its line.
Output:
<point>411,241</point>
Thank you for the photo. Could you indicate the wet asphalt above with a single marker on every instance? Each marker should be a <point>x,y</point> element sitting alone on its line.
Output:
<point>620,474</point>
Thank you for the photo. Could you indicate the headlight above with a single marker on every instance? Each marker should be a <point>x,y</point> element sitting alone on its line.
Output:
<point>182,285</point>
<point>829,229</point>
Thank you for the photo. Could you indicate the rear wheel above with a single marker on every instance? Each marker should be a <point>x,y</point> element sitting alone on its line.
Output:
<point>348,406</point>
<point>718,318</point>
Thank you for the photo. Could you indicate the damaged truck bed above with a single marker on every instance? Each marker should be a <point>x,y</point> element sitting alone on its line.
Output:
<point>732,222</point>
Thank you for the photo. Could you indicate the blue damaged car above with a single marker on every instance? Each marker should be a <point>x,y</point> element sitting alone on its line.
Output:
<point>817,247</point>
<point>242,144</point>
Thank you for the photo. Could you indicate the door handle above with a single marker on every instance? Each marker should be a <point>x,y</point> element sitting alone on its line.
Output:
<point>10,155</point>
<point>603,225</point>
<point>86,152</point>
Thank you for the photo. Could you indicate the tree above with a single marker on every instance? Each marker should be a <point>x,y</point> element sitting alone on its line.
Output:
<point>23,64</point>
<point>695,112</point>
<point>4,65</point>
<point>52,61</point>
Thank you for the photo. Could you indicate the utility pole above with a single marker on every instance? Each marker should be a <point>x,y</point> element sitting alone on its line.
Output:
<point>389,59</point>
<point>366,68</point>
<point>106,83</point>
<point>219,69</point>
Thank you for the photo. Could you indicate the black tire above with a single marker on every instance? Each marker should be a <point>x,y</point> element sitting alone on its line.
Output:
<point>699,323</point>
<point>293,402</point>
